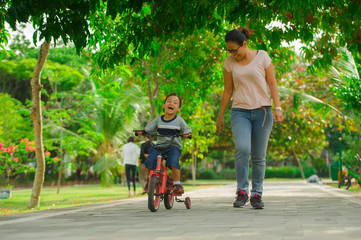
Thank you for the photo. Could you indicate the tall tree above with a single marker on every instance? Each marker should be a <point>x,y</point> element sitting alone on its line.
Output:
<point>36,116</point>
<point>116,106</point>
<point>53,20</point>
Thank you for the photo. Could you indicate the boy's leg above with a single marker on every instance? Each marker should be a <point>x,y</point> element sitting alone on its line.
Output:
<point>151,161</point>
<point>175,174</point>
<point>174,154</point>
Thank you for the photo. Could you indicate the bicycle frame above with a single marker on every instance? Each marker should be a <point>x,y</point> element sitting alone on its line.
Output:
<point>160,183</point>
<point>351,173</point>
<point>162,173</point>
<point>346,181</point>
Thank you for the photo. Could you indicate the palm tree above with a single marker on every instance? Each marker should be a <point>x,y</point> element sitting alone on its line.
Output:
<point>117,105</point>
<point>347,84</point>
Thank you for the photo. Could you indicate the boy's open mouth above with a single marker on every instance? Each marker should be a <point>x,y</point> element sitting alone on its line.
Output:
<point>171,108</point>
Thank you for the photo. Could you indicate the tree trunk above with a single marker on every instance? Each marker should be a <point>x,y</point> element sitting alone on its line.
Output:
<point>194,167</point>
<point>152,93</point>
<point>61,152</point>
<point>299,164</point>
<point>194,164</point>
<point>58,104</point>
<point>36,116</point>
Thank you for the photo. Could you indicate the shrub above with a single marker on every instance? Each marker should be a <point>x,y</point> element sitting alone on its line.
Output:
<point>229,173</point>
<point>207,173</point>
<point>283,172</point>
<point>309,171</point>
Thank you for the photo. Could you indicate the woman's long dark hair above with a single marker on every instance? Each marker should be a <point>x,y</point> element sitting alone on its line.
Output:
<point>238,35</point>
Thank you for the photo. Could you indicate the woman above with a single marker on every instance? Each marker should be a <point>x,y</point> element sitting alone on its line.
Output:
<point>248,76</point>
<point>130,155</point>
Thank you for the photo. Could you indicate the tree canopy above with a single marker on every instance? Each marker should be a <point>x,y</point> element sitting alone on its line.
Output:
<point>116,29</point>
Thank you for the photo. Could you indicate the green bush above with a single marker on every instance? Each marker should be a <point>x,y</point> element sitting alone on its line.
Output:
<point>321,167</point>
<point>185,174</point>
<point>271,172</point>
<point>229,173</point>
<point>283,172</point>
<point>207,173</point>
<point>309,171</point>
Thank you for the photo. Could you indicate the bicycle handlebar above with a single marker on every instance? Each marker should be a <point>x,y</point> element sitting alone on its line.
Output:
<point>143,132</point>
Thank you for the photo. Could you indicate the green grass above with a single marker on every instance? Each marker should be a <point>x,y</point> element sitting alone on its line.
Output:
<point>69,196</point>
<point>353,188</point>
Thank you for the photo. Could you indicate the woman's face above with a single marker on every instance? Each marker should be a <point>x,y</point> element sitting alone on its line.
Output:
<point>237,51</point>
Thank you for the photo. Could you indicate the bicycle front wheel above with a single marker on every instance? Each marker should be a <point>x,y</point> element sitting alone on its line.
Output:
<point>168,200</point>
<point>154,194</point>
<point>345,183</point>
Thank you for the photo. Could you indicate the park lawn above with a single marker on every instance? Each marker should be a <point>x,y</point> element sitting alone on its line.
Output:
<point>70,196</point>
<point>353,188</point>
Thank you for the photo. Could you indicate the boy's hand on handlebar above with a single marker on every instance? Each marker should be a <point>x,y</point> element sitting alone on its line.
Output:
<point>187,135</point>
<point>139,132</point>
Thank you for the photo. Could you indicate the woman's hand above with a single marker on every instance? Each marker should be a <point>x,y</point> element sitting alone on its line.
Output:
<point>277,115</point>
<point>220,123</point>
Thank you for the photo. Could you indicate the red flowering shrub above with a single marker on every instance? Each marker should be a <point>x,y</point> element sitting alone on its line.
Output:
<point>19,158</point>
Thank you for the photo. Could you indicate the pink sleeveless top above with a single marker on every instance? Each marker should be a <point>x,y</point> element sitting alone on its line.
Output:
<point>251,90</point>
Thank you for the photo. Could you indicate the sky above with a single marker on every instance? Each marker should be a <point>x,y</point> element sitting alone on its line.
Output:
<point>28,32</point>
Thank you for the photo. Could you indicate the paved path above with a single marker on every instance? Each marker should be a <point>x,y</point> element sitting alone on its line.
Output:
<point>294,210</point>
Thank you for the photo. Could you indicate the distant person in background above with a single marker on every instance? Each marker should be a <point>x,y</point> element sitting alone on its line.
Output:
<point>130,155</point>
<point>144,152</point>
<point>78,174</point>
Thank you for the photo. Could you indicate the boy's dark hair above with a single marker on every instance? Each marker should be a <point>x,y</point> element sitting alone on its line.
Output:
<point>174,94</point>
<point>130,139</point>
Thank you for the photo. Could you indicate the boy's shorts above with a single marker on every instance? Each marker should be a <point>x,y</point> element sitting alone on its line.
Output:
<point>172,152</point>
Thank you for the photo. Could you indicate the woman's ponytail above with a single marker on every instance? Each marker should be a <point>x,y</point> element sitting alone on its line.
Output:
<point>247,32</point>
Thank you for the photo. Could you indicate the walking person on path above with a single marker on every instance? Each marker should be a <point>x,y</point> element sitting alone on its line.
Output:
<point>130,155</point>
<point>248,78</point>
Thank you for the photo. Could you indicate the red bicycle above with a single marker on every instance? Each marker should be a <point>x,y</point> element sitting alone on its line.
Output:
<point>160,183</point>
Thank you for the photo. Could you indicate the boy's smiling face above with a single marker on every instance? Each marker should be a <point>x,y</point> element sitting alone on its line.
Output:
<point>171,106</point>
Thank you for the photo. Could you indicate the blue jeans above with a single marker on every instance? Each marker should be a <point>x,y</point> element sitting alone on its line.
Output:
<point>251,130</point>
<point>173,153</point>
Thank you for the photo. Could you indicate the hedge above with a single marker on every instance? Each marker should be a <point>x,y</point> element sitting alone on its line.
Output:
<point>271,172</point>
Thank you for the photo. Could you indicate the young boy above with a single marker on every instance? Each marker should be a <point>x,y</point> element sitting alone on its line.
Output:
<point>169,124</point>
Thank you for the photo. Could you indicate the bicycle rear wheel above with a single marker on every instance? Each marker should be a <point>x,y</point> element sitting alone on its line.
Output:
<point>187,202</point>
<point>154,195</point>
<point>345,183</point>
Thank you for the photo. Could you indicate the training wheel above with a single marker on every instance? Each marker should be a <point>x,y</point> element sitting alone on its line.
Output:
<point>187,202</point>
